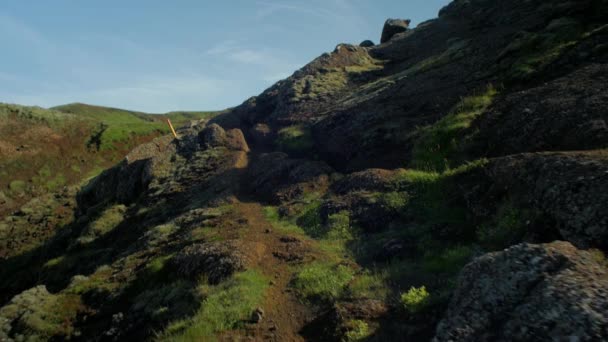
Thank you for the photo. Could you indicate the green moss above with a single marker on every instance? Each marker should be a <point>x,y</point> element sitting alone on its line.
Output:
<point>438,146</point>
<point>415,299</point>
<point>224,307</point>
<point>295,140</point>
<point>322,281</point>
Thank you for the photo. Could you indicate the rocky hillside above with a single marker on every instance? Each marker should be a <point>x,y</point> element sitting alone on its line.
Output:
<point>45,154</point>
<point>449,184</point>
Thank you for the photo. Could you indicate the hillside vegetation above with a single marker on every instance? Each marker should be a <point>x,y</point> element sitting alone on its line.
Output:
<point>449,184</point>
<point>45,151</point>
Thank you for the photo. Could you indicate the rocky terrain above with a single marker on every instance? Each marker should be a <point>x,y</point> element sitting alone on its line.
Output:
<point>449,184</point>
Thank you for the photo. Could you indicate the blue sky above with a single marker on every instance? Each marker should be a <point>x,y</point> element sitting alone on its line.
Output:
<point>157,56</point>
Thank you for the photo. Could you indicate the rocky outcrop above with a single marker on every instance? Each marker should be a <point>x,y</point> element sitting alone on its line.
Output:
<point>217,261</point>
<point>563,115</point>
<point>367,180</point>
<point>277,178</point>
<point>530,292</point>
<point>392,27</point>
<point>367,43</point>
<point>215,136</point>
<point>126,181</point>
<point>572,188</point>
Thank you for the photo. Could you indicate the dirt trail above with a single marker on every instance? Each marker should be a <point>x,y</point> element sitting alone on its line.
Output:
<point>284,315</point>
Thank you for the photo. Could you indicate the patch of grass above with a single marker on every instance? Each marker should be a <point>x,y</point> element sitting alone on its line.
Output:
<point>310,220</point>
<point>451,260</point>
<point>106,222</point>
<point>17,187</point>
<point>99,280</point>
<point>371,285</point>
<point>395,201</point>
<point>166,302</point>
<point>415,299</point>
<point>322,281</point>
<point>507,228</point>
<point>439,145</point>
<point>272,215</point>
<point>225,307</point>
<point>295,140</point>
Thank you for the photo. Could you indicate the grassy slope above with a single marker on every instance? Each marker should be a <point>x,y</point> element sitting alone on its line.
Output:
<point>42,150</point>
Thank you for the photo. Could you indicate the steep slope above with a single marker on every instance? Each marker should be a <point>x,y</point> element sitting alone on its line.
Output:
<point>447,185</point>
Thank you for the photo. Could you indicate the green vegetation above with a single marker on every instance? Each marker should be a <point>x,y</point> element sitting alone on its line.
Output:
<point>106,222</point>
<point>456,50</point>
<point>322,281</point>
<point>439,145</point>
<point>296,140</point>
<point>507,228</point>
<point>451,260</point>
<point>358,330</point>
<point>369,285</point>
<point>40,315</point>
<point>224,307</point>
<point>416,299</point>
<point>17,187</point>
<point>533,52</point>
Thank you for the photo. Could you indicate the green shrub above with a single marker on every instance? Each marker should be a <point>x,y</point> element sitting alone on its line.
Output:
<point>322,281</point>
<point>295,140</point>
<point>416,299</point>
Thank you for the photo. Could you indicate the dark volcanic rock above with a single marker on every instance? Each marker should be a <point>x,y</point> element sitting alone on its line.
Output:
<point>367,43</point>
<point>277,178</point>
<point>126,181</point>
<point>566,114</point>
<point>217,261</point>
<point>551,292</point>
<point>215,136</point>
<point>392,27</point>
<point>572,188</point>
<point>368,180</point>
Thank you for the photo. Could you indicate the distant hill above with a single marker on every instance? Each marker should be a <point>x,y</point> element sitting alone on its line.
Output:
<point>42,150</point>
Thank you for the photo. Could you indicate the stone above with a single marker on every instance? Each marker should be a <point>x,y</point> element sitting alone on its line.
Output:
<point>257,315</point>
<point>392,27</point>
<point>530,292</point>
<point>367,43</point>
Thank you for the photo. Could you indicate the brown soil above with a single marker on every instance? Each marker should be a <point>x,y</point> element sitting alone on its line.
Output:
<point>284,314</point>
